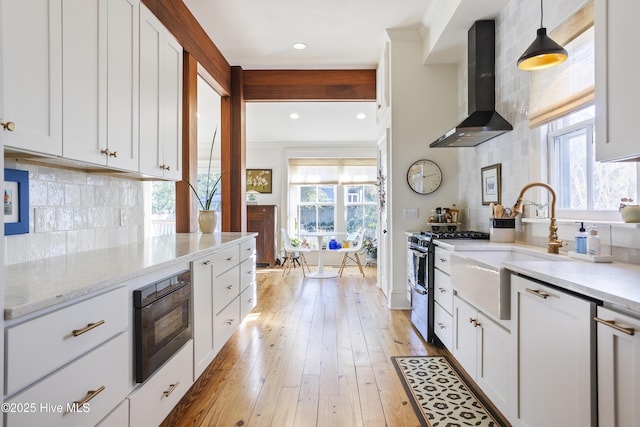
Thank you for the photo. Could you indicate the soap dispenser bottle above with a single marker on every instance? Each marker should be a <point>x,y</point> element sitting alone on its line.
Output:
<point>581,240</point>
<point>593,242</point>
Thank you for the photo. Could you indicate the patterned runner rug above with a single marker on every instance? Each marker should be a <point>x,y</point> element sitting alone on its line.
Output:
<point>439,394</point>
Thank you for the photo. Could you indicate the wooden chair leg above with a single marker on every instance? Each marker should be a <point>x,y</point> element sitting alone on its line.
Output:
<point>359,264</point>
<point>304,263</point>
<point>343,264</point>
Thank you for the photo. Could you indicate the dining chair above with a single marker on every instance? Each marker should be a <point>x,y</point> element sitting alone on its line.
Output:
<point>351,253</point>
<point>293,255</point>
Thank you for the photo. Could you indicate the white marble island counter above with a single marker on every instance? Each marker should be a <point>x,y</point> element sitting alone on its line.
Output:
<point>613,283</point>
<point>41,284</point>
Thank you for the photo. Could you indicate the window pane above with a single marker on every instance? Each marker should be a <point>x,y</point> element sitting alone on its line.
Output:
<point>163,207</point>
<point>326,218</point>
<point>611,182</point>
<point>308,220</point>
<point>574,161</point>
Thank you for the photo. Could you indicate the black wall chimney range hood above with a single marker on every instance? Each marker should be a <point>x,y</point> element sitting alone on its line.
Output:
<point>483,122</point>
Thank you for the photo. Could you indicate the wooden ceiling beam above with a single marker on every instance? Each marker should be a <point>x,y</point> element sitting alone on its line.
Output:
<point>309,85</point>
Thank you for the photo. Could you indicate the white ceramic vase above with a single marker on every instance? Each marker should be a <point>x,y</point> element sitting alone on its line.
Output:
<point>207,221</point>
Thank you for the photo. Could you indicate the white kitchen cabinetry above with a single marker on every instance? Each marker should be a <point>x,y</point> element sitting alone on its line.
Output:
<point>31,72</point>
<point>79,353</point>
<point>443,298</point>
<point>483,348</point>
<point>618,369</point>
<point>160,99</point>
<point>152,402</point>
<point>554,347</point>
<point>617,84</point>
<point>223,293</point>
<point>100,82</point>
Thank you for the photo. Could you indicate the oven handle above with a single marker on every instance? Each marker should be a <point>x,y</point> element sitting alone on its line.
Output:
<point>419,289</point>
<point>418,254</point>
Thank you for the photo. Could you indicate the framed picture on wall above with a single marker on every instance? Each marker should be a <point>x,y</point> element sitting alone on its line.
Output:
<point>259,180</point>
<point>16,202</point>
<point>491,185</point>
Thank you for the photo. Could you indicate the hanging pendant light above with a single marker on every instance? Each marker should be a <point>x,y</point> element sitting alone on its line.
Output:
<point>543,52</point>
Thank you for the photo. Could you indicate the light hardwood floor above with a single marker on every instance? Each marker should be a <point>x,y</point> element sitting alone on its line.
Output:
<point>312,353</point>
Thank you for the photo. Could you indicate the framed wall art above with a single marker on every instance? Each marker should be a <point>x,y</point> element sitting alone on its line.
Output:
<point>16,202</point>
<point>259,180</point>
<point>491,185</point>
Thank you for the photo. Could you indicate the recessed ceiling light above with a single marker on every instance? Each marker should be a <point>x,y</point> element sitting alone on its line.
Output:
<point>294,116</point>
<point>299,45</point>
<point>361,116</point>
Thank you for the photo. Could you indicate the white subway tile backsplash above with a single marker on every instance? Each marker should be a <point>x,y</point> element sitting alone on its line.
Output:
<point>81,211</point>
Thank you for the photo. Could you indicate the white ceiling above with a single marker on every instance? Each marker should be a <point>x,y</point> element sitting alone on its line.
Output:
<point>340,34</point>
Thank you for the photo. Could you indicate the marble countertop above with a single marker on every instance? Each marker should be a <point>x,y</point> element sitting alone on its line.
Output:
<point>613,283</point>
<point>36,285</point>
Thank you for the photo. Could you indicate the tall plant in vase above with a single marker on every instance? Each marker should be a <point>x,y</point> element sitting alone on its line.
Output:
<point>207,218</point>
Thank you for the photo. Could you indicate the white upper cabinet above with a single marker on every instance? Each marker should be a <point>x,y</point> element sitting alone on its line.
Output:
<point>160,99</point>
<point>100,82</point>
<point>31,75</point>
<point>617,84</point>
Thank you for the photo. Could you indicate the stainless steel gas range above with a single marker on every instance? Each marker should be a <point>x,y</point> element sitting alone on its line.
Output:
<point>420,266</point>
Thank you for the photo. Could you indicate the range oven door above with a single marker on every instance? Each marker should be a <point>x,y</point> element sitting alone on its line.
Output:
<point>422,297</point>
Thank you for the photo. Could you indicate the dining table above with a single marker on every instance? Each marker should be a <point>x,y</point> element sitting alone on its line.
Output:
<point>320,272</point>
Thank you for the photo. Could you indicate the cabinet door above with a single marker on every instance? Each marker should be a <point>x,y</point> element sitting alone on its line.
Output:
<point>618,369</point>
<point>100,71</point>
<point>203,353</point>
<point>465,318</point>
<point>160,99</point>
<point>263,220</point>
<point>31,85</point>
<point>493,364</point>
<point>555,354</point>
<point>617,85</point>
<point>122,83</point>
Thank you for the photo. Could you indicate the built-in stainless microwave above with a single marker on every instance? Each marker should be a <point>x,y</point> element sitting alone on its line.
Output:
<point>162,322</point>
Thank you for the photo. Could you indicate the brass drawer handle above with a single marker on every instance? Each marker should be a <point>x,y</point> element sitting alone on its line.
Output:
<point>442,290</point>
<point>87,328</point>
<point>229,322</point>
<point>207,262</point>
<point>443,260</point>
<point>537,293</point>
<point>172,387</point>
<point>114,154</point>
<point>231,258</point>
<point>10,126</point>
<point>229,287</point>
<point>90,395</point>
<point>474,322</point>
<point>441,325</point>
<point>612,324</point>
<point>105,151</point>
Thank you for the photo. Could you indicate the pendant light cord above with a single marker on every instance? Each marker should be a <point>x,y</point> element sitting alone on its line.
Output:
<point>541,13</point>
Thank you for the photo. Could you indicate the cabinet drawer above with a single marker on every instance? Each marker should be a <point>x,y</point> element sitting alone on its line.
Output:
<point>248,249</point>
<point>443,326</point>
<point>443,260</point>
<point>225,259</point>
<point>225,324</point>
<point>102,371</point>
<point>226,287</point>
<point>443,290</point>
<point>153,401</point>
<point>42,345</point>
<point>248,300</point>
<point>247,273</point>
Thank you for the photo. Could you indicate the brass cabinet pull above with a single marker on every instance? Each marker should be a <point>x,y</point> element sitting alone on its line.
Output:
<point>442,290</point>
<point>249,271</point>
<point>229,287</point>
<point>231,258</point>
<point>10,126</point>
<point>474,322</point>
<point>441,325</point>
<point>90,395</point>
<point>172,387</point>
<point>207,262</point>
<point>105,151</point>
<point>229,322</point>
<point>612,324</point>
<point>87,328</point>
<point>114,154</point>
<point>537,293</point>
<point>443,260</point>
<point>165,167</point>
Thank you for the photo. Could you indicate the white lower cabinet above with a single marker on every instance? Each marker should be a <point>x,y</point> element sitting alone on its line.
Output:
<point>618,369</point>
<point>154,399</point>
<point>554,347</point>
<point>202,291</point>
<point>119,417</point>
<point>443,297</point>
<point>80,394</point>
<point>482,347</point>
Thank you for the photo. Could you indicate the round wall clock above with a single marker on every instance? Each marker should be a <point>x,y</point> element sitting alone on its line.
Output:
<point>424,176</point>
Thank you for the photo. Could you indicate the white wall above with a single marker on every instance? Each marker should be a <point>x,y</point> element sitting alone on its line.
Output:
<point>423,106</point>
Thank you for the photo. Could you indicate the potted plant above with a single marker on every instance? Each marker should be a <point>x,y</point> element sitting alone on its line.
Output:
<point>370,247</point>
<point>207,218</point>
